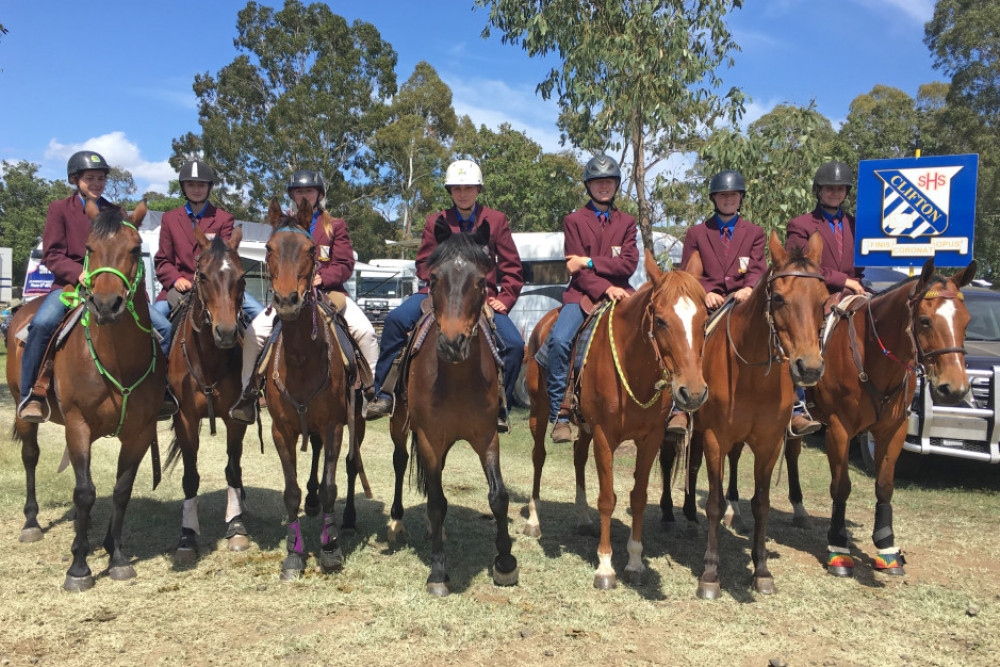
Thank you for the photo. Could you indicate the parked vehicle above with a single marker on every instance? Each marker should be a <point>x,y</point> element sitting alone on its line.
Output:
<point>382,284</point>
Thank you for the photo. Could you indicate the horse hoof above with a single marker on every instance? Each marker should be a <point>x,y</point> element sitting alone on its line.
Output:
<point>183,556</point>
<point>506,578</point>
<point>331,561</point>
<point>893,571</point>
<point>764,585</point>
<point>605,582</point>
<point>531,530</point>
<point>632,577</point>
<point>238,543</point>
<point>396,533</point>
<point>78,584</point>
<point>290,575</point>
<point>122,573</point>
<point>840,570</point>
<point>709,590</point>
<point>802,522</point>
<point>312,510</point>
<point>438,589</point>
<point>30,534</point>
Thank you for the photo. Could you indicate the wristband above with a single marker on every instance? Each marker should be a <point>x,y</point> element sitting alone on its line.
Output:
<point>590,263</point>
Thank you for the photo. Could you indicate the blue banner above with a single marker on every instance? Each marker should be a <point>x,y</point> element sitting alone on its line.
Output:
<point>910,209</point>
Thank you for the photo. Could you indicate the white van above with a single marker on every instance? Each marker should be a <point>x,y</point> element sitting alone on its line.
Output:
<point>381,285</point>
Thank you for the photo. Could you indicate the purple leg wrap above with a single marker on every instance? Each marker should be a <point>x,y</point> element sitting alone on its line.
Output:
<point>295,537</point>
<point>328,520</point>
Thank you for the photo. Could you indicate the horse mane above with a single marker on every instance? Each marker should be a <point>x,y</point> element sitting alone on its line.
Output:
<point>684,284</point>
<point>108,222</point>
<point>936,279</point>
<point>461,246</point>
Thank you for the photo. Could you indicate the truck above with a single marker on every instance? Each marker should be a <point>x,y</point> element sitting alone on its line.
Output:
<point>382,284</point>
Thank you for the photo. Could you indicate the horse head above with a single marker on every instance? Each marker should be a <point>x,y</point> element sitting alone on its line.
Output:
<point>796,292</point>
<point>459,267</point>
<point>291,259</point>
<point>219,283</point>
<point>938,328</point>
<point>675,321</point>
<point>113,266</point>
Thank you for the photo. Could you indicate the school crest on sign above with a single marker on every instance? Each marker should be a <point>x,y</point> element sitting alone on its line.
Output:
<point>915,202</point>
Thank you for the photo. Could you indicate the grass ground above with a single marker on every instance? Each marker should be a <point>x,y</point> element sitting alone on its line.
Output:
<point>231,608</point>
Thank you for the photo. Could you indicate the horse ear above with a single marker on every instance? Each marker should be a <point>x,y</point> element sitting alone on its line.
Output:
<point>234,240</point>
<point>482,235</point>
<point>305,214</point>
<point>199,236</point>
<point>814,248</point>
<point>139,214</point>
<point>965,276</point>
<point>274,213</point>
<point>652,268</point>
<point>694,265</point>
<point>778,254</point>
<point>442,230</point>
<point>92,209</point>
<point>927,271</point>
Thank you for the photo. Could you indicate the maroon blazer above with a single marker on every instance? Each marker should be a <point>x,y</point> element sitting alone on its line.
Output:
<point>177,255</point>
<point>613,248</point>
<point>507,279</point>
<point>334,253</point>
<point>64,241</point>
<point>835,269</point>
<point>725,274</point>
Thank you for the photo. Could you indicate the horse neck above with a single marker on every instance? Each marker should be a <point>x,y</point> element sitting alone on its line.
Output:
<point>893,319</point>
<point>631,333</point>
<point>748,326</point>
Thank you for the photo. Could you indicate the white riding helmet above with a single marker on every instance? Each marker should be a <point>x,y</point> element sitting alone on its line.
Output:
<point>463,172</point>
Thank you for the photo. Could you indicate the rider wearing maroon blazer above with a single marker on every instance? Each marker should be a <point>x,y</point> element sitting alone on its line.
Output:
<point>601,255</point>
<point>464,182</point>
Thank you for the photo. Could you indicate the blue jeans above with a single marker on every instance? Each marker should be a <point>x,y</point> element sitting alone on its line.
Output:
<point>251,307</point>
<point>400,321</point>
<point>560,339</point>
<point>41,329</point>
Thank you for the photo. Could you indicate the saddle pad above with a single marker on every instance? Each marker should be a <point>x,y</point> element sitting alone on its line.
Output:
<point>846,307</point>
<point>68,323</point>
<point>581,340</point>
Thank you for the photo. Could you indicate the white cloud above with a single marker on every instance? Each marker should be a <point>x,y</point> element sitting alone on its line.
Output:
<point>119,152</point>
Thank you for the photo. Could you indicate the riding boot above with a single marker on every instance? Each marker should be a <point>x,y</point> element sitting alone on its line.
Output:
<point>245,410</point>
<point>32,409</point>
<point>169,407</point>
<point>380,407</point>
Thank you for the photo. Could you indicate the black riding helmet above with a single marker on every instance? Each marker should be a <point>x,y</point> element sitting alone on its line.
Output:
<point>196,171</point>
<point>307,178</point>
<point>727,181</point>
<point>82,161</point>
<point>832,173</point>
<point>601,166</point>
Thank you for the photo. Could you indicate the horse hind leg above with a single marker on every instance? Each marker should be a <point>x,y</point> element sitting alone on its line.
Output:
<point>668,457</point>
<point>400,458</point>
<point>505,569</point>
<point>331,558</point>
<point>349,525</point>
<point>312,505</point>
<point>27,434</point>
<point>538,425</point>
<point>237,537</point>
<point>581,449</point>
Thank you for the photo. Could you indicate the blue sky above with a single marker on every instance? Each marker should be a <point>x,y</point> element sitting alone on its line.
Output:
<point>115,76</point>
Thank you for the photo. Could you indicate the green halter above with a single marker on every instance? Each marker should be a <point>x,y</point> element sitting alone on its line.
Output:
<point>77,296</point>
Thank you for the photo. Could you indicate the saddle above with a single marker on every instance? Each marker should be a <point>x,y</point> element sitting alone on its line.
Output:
<point>66,326</point>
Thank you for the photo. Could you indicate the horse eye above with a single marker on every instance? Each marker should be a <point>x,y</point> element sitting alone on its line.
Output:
<point>481,283</point>
<point>925,322</point>
<point>777,301</point>
<point>89,249</point>
<point>137,250</point>
<point>660,323</point>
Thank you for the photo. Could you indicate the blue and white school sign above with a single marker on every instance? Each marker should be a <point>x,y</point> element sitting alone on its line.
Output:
<point>914,208</point>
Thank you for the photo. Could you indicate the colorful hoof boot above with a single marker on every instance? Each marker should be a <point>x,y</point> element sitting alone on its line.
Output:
<point>840,563</point>
<point>890,563</point>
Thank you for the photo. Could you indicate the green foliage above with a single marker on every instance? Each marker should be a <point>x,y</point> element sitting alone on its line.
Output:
<point>163,203</point>
<point>120,186</point>
<point>24,203</point>
<point>411,147</point>
<point>635,75</point>
<point>882,124</point>
<point>303,93</point>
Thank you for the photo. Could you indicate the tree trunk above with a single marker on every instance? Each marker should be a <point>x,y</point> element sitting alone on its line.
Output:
<point>639,179</point>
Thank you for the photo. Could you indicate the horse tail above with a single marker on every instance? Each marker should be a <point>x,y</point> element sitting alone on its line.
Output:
<point>173,454</point>
<point>416,462</point>
<point>15,435</point>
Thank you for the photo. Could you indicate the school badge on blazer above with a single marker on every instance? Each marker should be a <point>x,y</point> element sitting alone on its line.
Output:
<point>744,264</point>
<point>324,253</point>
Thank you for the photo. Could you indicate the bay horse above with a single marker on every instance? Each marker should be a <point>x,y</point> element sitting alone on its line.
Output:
<point>306,385</point>
<point>872,361</point>
<point>646,344</point>
<point>750,393</point>
<point>204,374</point>
<point>109,377</point>
<point>452,394</point>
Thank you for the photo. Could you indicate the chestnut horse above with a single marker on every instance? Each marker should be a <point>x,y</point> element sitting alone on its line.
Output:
<point>644,344</point>
<point>452,394</point>
<point>750,393</point>
<point>306,384</point>
<point>204,375</point>
<point>109,376</point>
<point>916,326</point>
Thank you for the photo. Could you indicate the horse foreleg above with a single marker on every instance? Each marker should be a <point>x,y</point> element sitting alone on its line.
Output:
<point>295,562</point>
<point>695,456</point>
<point>760,505</point>
<point>889,559</point>
<point>349,525</point>
<point>604,578</point>
<point>581,451</point>
<point>731,506</point>
<point>538,424</point>
<point>27,433</point>
<point>331,558</point>
<point>312,484</point>
<point>437,509</point>
<point>793,448</point>
<point>708,583</point>
<point>186,432</point>
<point>129,457</point>
<point>839,561</point>
<point>668,457</point>
<point>400,457</point>
<point>505,570</point>
<point>78,577</point>
<point>236,532</point>
<point>645,455</point>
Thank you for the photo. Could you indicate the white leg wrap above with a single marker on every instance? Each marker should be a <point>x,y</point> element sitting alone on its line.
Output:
<point>189,515</point>
<point>533,514</point>
<point>604,567</point>
<point>889,550</point>
<point>634,556</point>
<point>234,504</point>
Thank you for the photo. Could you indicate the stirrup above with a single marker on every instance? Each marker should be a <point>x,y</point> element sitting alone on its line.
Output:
<point>32,418</point>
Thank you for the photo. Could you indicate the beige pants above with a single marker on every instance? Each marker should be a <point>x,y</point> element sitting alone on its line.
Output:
<point>358,326</point>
